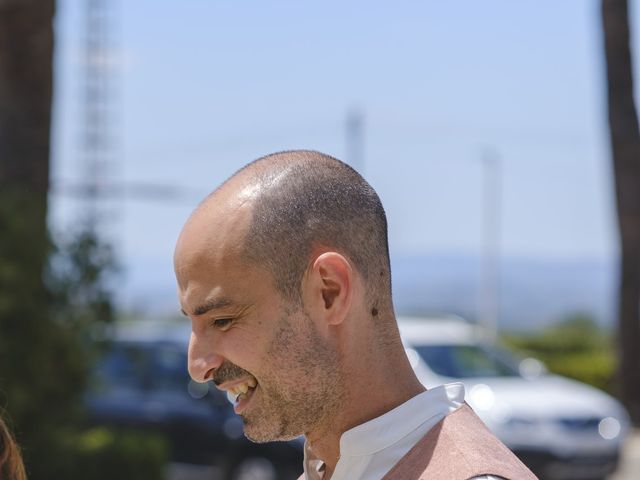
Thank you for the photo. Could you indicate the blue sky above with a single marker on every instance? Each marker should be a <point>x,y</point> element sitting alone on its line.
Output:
<point>203,87</point>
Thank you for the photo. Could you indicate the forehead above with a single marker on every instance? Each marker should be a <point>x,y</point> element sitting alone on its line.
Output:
<point>213,238</point>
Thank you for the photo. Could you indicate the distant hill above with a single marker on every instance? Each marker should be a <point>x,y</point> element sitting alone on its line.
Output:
<point>532,292</point>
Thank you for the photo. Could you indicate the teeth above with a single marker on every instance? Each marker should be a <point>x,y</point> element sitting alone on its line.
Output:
<point>234,393</point>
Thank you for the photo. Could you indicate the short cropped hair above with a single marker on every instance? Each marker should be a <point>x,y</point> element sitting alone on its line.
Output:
<point>308,200</point>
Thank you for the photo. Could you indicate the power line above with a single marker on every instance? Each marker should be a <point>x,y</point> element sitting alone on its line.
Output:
<point>124,191</point>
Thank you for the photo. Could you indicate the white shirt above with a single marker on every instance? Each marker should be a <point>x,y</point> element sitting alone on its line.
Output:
<point>368,451</point>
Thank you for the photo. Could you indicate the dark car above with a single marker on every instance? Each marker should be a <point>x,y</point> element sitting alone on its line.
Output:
<point>143,383</point>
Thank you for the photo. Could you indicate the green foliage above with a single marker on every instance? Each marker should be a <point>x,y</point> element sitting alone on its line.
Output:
<point>51,300</point>
<point>39,368</point>
<point>575,347</point>
<point>107,454</point>
<point>594,368</point>
<point>77,277</point>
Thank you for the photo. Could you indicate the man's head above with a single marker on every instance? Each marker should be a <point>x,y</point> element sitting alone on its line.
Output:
<point>309,201</point>
<point>279,268</point>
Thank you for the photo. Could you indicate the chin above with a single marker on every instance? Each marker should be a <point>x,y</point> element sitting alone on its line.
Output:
<point>262,437</point>
<point>261,432</point>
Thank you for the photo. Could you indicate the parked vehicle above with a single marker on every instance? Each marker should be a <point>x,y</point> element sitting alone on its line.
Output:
<point>142,382</point>
<point>560,428</point>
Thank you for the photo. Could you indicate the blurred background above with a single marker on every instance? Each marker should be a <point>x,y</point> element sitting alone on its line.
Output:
<point>501,136</point>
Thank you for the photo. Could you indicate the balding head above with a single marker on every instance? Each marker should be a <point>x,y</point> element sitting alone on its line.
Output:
<point>298,203</point>
<point>306,202</point>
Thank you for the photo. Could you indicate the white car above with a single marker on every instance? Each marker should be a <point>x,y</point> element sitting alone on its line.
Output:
<point>560,428</point>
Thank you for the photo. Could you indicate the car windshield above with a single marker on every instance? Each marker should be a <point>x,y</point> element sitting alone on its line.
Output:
<point>122,366</point>
<point>157,366</point>
<point>467,361</point>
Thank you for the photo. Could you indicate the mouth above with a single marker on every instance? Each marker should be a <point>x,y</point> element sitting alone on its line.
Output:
<point>240,393</point>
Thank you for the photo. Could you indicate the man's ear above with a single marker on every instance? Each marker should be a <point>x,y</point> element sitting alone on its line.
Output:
<point>328,287</point>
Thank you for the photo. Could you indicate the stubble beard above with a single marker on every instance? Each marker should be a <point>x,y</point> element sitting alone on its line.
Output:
<point>307,397</point>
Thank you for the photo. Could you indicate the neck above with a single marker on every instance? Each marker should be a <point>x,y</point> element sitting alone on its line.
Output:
<point>377,382</point>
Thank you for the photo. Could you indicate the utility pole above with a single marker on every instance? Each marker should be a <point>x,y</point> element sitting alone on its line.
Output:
<point>355,139</point>
<point>489,286</point>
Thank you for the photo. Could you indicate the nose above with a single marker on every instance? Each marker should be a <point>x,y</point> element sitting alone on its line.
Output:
<point>203,360</point>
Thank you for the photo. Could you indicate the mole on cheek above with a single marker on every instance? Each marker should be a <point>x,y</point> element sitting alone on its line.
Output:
<point>374,311</point>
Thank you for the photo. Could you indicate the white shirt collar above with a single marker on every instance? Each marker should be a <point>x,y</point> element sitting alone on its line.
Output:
<point>388,429</point>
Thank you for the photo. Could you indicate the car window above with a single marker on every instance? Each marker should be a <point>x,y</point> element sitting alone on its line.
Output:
<point>170,369</point>
<point>466,361</point>
<point>149,367</point>
<point>124,367</point>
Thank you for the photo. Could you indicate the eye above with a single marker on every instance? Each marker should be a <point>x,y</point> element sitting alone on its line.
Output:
<point>222,323</point>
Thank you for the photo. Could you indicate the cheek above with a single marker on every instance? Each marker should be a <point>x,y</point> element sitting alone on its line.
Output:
<point>244,348</point>
<point>293,351</point>
<point>284,342</point>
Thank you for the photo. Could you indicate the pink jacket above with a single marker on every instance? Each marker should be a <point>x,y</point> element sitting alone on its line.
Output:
<point>459,447</point>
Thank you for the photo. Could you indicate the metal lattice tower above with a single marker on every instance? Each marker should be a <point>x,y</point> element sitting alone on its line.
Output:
<point>97,146</point>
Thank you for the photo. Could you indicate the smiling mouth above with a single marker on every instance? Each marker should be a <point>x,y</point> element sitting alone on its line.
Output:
<point>241,391</point>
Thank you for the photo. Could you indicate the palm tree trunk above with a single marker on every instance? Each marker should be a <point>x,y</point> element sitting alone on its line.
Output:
<point>26,53</point>
<point>625,148</point>
<point>26,56</point>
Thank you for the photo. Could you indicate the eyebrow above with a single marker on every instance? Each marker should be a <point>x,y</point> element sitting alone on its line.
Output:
<point>209,305</point>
